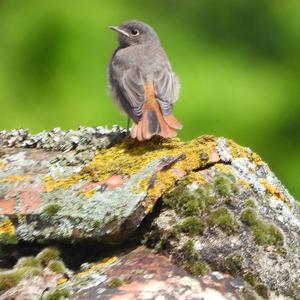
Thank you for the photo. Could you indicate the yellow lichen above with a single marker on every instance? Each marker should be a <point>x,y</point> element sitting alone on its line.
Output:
<point>165,178</point>
<point>224,168</point>
<point>240,151</point>
<point>103,263</point>
<point>7,232</point>
<point>2,164</point>
<point>62,280</point>
<point>243,183</point>
<point>7,227</point>
<point>51,183</point>
<point>257,159</point>
<point>273,190</point>
<point>14,178</point>
<point>88,193</point>
<point>197,177</point>
<point>130,157</point>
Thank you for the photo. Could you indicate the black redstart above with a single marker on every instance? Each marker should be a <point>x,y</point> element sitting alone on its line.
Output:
<point>142,82</point>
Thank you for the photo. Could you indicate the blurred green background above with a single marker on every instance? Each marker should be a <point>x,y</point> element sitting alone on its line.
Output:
<point>238,61</point>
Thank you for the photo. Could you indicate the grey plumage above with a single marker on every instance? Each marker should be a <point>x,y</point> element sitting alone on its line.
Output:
<point>132,65</point>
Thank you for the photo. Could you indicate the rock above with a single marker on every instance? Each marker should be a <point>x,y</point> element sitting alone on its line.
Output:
<point>234,217</point>
<point>32,276</point>
<point>214,207</point>
<point>54,196</point>
<point>142,274</point>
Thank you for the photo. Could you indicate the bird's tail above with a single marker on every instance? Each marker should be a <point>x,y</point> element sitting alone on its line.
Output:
<point>154,122</point>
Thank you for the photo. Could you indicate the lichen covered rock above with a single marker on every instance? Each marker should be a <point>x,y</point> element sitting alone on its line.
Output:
<point>32,276</point>
<point>54,196</point>
<point>221,211</point>
<point>234,217</point>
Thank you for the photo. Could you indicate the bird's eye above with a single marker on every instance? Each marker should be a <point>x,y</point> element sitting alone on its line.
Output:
<point>135,32</point>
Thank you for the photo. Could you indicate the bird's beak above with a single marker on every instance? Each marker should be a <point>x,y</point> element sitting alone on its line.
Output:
<point>116,28</point>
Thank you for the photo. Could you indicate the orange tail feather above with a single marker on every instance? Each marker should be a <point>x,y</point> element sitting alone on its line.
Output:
<point>153,122</point>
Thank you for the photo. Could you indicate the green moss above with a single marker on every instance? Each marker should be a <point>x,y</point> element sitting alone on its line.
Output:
<point>56,294</point>
<point>250,278</point>
<point>115,282</point>
<point>249,217</point>
<point>224,219</point>
<point>97,224</point>
<point>197,267</point>
<point>294,288</point>
<point>189,249</point>
<point>56,266</point>
<point>263,291</point>
<point>260,288</point>
<point>234,263</point>
<point>225,185</point>
<point>47,255</point>
<point>230,202</point>
<point>6,238</point>
<point>12,277</point>
<point>193,262</point>
<point>190,203</point>
<point>191,225</point>
<point>51,209</point>
<point>265,233</point>
<point>222,186</point>
<point>248,294</point>
<point>251,203</point>
<point>29,261</point>
<point>160,245</point>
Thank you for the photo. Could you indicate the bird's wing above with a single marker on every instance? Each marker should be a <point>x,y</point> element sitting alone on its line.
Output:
<point>166,86</point>
<point>127,88</point>
<point>133,87</point>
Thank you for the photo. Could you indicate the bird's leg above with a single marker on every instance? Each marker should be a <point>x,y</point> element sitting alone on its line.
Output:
<point>128,123</point>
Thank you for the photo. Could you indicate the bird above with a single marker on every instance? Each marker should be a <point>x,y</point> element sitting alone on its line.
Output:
<point>142,83</point>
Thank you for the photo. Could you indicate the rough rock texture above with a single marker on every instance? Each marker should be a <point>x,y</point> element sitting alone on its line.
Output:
<point>57,196</point>
<point>220,209</point>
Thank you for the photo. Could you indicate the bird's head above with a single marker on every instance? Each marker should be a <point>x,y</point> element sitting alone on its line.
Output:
<point>134,33</point>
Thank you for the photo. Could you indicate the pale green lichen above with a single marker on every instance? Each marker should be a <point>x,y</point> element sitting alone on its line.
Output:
<point>265,233</point>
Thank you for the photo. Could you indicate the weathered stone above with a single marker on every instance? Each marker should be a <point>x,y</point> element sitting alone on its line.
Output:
<point>222,212</point>
<point>256,239</point>
<point>142,274</point>
<point>46,196</point>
